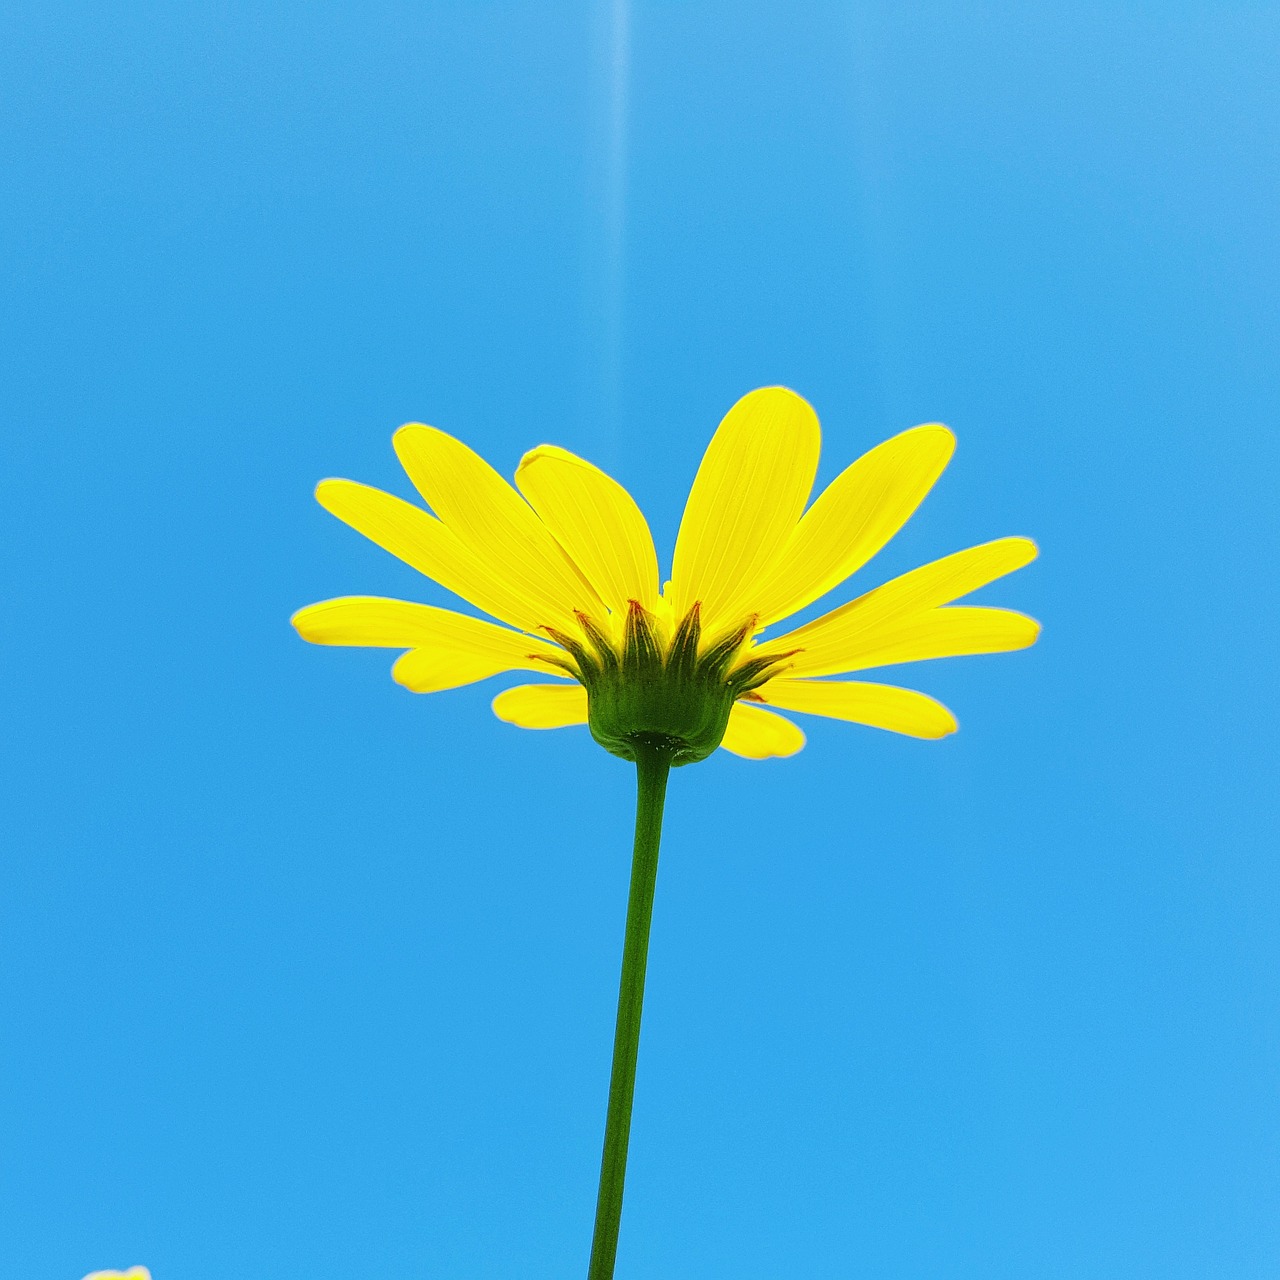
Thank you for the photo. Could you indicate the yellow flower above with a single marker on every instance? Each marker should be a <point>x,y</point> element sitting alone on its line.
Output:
<point>134,1273</point>
<point>568,564</point>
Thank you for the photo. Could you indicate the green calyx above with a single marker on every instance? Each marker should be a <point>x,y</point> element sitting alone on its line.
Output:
<point>677,701</point>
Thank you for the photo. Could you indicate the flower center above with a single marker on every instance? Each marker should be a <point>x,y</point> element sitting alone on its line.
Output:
<point>669,698</point>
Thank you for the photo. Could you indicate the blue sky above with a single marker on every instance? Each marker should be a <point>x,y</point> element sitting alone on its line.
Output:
<point>304,976</point>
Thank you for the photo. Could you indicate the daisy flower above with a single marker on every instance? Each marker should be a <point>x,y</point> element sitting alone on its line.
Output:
<point>566,561</point>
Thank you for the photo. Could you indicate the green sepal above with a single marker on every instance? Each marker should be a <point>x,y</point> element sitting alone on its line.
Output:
<point>755,671</point>
<point>641,652</point>
<point>719,657</point>
<point>677,703</point>
<point>599,642</point>
<point>682,657</point>
<point>588,666</point>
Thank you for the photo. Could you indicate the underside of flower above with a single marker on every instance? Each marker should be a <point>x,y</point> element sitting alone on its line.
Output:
<point>670,697</point>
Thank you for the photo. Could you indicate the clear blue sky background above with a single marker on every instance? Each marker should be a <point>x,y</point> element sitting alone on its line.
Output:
<point>305,977</point>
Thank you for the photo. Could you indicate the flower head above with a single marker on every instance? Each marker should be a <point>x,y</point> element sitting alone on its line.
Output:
<point>134,1273</point>
<point>566,561</point>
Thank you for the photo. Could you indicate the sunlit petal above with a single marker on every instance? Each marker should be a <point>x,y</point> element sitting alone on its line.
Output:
<point>883,706</point>
<point>757,734</point>
<point>850,522</point>
<point>421,541</point>
<point>542,706</point>
<point>749,492</point>
<point>447,649</point>
<point>402,624</point>
<point>494,522</point>
<point>596,521</point>
<point>844,645</point>
<point>942,581</point>
<point>431,670</point>
<point>915,595</point>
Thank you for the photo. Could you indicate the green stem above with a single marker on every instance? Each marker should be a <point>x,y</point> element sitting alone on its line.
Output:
<point>652,766</point>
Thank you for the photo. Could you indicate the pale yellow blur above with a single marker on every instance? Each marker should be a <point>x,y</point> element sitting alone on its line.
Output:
<point>134,1273</point>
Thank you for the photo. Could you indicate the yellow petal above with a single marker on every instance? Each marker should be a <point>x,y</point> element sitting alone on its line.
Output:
<point>134,1273</point>
<point>401,624</point>
<point>542,706</point>
<point>448,649</point>
<point>597,523</point>
<point>956,575</point>
<point>843,644</point>
<point>851,521</point>
<point>421,541</point>
<point>883,706</point>
<point>432,670</point>
<point>903,600</point>
<point>757,734</point>
<point>494,523</point>
<point>749,492</point>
